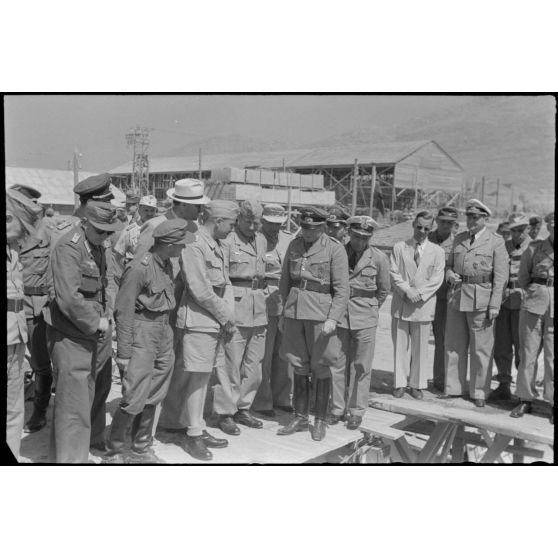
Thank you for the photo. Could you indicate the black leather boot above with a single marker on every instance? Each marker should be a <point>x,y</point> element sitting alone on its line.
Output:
<point>299,422</point>
<point>43,383</point>
<point>115,444</point>
<point>323,389</point>
<point>142,436</point>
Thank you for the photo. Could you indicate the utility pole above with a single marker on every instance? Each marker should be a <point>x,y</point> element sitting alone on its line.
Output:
<point>75,165</point>
<point>138,138</point>
<point>289,199</point>
<point>372,190</point>
<point>355,187</point>
<point>415,180</point>
<point>200,164</point>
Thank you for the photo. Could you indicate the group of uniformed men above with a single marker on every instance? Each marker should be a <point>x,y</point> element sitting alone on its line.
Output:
<point>285,322</point>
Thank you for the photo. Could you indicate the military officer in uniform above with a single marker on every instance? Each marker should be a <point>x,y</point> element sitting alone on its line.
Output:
<point>234,394</point>
<point>477,270</point>
<point>336,224</point>
<point>506,327</point>
<point>125,247</point>
<point>79,332</point>
<point>504,230</point>
<point>34,257</point>
<point>21,215</point>
<point>536,319</point>
<point>370,283</point>
<point>206,319</point>
<point>314,291</point>
<point>276,387</point>
<point>145,341</point>
<point>442,236</point>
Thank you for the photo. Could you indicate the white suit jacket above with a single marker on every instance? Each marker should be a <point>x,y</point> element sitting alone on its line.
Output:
<point>427,278</point>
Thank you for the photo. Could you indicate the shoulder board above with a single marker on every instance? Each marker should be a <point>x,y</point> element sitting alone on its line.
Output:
<point>63,225</point>
<point>146,258</point>
<point>536,242</point>
<point>75,238</point>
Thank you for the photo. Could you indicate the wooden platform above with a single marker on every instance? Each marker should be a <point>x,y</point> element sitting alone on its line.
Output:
<point>262,446</point>
<point>453,427</point>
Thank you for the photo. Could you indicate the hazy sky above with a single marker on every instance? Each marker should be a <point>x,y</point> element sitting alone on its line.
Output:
<point>42,130</point>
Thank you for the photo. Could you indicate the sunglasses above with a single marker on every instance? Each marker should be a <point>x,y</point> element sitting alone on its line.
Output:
<point>423,229</point>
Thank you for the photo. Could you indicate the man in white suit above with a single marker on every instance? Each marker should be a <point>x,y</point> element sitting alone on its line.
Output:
<point>417,271</point>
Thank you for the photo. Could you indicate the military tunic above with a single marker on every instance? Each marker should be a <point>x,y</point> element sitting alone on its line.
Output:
<point>16,338</point>
<point>440,313</point>
<point>506,327</point>
<point>81,292</point>
<point>322,267</point>
<point>143,334</point>
<point>245,351</point>
<point>370,284</point>
<point>483,267</point>
<point>207,304</point>
<point>536,318</point>
<point>276,386</point>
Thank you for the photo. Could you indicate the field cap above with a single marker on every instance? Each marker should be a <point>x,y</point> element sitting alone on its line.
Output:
<point>518,221</point>
<point>222,208</point>
<point>97,187</point>
<point>362,225</point>
<point>312,217</point>
<point>274,213</point>
<point>102,215</point>
<point>171,231</point>
<point>447,214</point>
<point>25,209</point>
<point>29,191</point>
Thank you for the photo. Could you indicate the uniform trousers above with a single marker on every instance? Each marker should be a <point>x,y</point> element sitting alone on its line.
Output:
<point>307,349</point>
<point>410,349</point>
<point>83,380</point>
<point>439,329</point>
<point>240,378</point>
<point>147,379</point>
<point>468,333</point>
<point>277,377</point>
<point>532,330</point>
<point>195,352</point>
<point>15,405</point>
<point>37,345</point>
<point>355,365</point>
<point>506,343</point>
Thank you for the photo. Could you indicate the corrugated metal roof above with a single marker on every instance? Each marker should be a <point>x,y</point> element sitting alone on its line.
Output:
<point>56,186</point>
<point>380,153</point>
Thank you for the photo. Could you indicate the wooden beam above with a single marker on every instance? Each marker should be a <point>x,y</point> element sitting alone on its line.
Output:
<point>434,443</point>
<point>372,189</point>
<point>499,444</point>
<point>355,188</point>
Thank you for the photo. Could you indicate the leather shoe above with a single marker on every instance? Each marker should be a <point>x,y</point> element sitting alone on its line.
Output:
<point>244,417</point>
<point>332,419</point>
<point>416,393</point>
<point>354,422</point>
<point>228,426</point>
<point>35,423</point>
<point>521,409</point>
<point>297,424</point>
<point>501,393</point>
<point>319,430</point>
<point>212,442</point>
<point>146,457</point>
<point>98,447</point>
<point>195,446</point>
<point>479,402</point>
<point>398,392</point>
<point>266,413</point>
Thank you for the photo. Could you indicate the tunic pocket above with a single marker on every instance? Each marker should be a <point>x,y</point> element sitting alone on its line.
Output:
<point>320,269</point>
<point>90,279</point>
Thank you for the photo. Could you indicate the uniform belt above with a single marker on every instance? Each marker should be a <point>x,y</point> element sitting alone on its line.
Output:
<point>40,290</point>
<point>151,316</point>
<point>476,279</point>
<point>513,284</point>
<point>549,282</point>
<point>254,284</point>
<point>272,282</point>
<point>362,293</point>
<point>309,285</point>
<point>219,290</point>
<point>15,304</point>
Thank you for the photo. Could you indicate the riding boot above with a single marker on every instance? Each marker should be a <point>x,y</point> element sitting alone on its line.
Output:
<point>117,439</point>
<point>301,394</point>
<point>323,389</point>
<point>43,383</point>
<point>142,433</point>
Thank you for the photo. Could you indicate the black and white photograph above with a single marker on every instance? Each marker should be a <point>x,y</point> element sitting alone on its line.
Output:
<point>280,279</point>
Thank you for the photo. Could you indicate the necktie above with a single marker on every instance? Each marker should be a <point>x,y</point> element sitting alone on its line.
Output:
<point>417,255</point>
<point>472,239</point>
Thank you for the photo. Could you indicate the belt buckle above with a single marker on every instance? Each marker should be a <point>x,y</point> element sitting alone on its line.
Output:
<point>255,282</point>
<point>303,283</point>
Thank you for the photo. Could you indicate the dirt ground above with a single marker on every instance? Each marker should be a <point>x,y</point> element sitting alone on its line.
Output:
<point>169,450</point>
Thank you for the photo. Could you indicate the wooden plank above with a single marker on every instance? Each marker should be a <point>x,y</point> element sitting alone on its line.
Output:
<point>518,443</point>
<point>490,442</point>
<point>404,450</point>
<point>529,427</point>
<point>500,443</point>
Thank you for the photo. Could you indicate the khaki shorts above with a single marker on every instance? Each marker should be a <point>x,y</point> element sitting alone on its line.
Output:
<point>199,350</point>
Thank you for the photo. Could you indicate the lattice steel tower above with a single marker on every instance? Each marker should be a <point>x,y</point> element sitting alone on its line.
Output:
<point>138,138</point>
